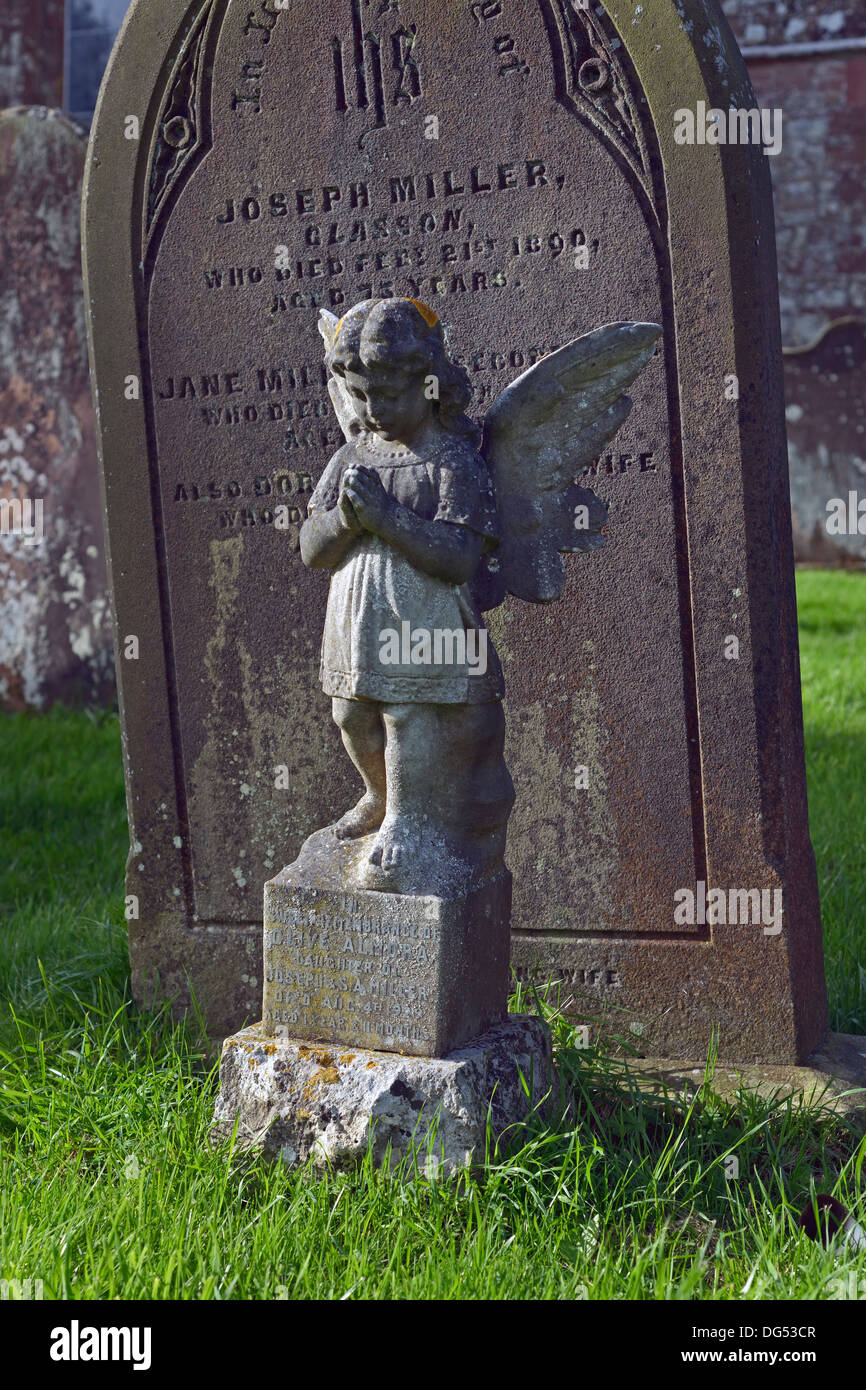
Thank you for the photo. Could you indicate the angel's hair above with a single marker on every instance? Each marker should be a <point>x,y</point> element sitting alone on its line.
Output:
<point>405,332</point>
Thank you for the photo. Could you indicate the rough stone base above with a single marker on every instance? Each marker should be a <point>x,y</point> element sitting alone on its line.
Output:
<point>301,1100</point>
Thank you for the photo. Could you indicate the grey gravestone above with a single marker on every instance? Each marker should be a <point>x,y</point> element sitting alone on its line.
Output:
<point>825,385</point>
<point>55,640</point>
<point>512,163</point>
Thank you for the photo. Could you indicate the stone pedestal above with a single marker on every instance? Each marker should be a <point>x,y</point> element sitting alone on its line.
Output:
<point>331,1104</point>
<point>417,974</point>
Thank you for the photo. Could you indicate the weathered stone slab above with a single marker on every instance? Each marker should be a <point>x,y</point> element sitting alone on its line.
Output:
<point>55,639</point>
<point>298,1102</point>
<point>514,164</point>
<point>417,974</point>
<point>831,1079</point>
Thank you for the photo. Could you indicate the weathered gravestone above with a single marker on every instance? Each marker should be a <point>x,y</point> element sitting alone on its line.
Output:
<point>826,419</point>
<point>55,640</point>
<point>513,164</point>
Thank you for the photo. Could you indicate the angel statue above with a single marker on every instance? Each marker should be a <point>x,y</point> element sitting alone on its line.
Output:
<point>425,523</point>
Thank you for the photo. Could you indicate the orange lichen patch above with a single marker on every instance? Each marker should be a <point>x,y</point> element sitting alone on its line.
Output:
<point>324,1059</point>
<point>346,1057</point>
<point>270,1049</point>
<point>328,1076</point>
<point>428,315</point>
<point>371,1064</point>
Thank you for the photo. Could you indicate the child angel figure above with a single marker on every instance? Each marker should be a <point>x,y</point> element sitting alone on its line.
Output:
<point>423,524</point>
<point>401,517</point>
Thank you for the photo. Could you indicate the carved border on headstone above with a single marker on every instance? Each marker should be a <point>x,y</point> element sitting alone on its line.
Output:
<point>595,81</point>
<point>766,994</point>
<point>182,130</point>
<point>180,104</point>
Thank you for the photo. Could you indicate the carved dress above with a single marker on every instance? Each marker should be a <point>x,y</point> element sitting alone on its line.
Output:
<point>376,589</point>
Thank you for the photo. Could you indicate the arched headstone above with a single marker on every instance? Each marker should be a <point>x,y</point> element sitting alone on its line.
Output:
<point>516,164</point>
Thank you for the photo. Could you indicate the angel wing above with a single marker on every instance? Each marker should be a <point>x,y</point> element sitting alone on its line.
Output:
<point>545,426</point>
<point>340,399</point>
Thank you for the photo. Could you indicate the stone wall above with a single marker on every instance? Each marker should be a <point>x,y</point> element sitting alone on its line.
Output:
<point>794,21</point>
<point>807,58</point>
<point>818,189</point>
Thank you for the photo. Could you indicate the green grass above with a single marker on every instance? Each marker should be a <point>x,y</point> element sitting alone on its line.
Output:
<point>832,610</point>
<point>109,1189</point>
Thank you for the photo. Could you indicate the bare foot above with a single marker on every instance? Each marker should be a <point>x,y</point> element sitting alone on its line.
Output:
<point>394,846</point>
<point>363,819</point>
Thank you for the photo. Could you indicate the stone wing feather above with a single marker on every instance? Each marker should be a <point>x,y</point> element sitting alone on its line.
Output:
<point>541,431</point>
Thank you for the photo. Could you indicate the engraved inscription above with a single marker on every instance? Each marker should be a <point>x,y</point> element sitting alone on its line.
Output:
<point>246,94</point>
<point>249,90</point>
<point>324,263</point>
<point>375,72</point>
<point>503,44</point>
<point>353,972</point>
<point>614,464</point>
<point>594,977</point>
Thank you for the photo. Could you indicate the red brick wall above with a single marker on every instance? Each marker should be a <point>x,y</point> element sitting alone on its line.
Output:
<point>818,81</point>
<point>819,186</point>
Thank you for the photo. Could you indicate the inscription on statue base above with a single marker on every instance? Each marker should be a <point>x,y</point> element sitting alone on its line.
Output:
<point>415,974</point>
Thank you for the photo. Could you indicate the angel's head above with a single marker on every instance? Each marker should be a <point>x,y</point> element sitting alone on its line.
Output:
<point>392,358</point>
